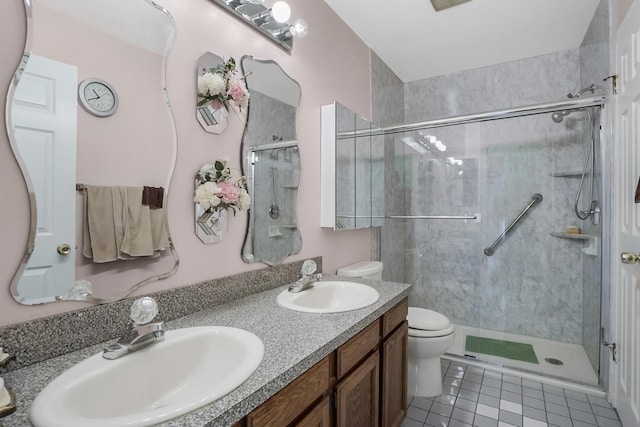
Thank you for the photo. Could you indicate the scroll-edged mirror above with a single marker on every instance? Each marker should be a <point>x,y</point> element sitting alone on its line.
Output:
<point>271,163</point>
<point>62,148</point>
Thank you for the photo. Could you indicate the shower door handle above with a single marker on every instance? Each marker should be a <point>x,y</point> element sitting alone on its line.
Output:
<point>629,258</point>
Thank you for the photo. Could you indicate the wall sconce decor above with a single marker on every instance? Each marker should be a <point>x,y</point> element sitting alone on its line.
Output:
<point>220,87</point>
<point>215,194</point>
<point>272,22</point>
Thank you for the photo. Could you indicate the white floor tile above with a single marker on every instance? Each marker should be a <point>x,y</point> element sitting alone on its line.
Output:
<point>511,407</point>
<point>487,411</point>
<point>530,422</point>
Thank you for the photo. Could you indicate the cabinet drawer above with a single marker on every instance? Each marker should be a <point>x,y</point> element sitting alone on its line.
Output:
<point>354,350</point>
<point>294,399</point>
<point>395,316</point>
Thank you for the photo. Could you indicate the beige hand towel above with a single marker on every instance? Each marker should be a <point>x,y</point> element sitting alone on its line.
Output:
<point>99,231</point>
<point>159,229</point>
<point>118,226</point>
<point>137,240</point>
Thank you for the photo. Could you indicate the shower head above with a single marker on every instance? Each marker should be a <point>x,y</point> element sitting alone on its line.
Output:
<point>591,89</point>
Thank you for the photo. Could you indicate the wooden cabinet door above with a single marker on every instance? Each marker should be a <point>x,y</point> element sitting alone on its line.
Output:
<point>357,395</point>
<point>320,416</point>
<point>293,400</point>
<point>394,377</point>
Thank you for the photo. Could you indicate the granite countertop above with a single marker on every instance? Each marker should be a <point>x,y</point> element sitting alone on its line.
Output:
<point>293,341</point>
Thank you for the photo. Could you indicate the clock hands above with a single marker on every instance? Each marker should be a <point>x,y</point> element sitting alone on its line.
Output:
<point>97,96</point>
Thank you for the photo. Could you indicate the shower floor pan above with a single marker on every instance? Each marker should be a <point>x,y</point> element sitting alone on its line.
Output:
<point>575,365</point>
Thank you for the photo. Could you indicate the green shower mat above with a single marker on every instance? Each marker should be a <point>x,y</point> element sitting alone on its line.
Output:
<point>507,349</point>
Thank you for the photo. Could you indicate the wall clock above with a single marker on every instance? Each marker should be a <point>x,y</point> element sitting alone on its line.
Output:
<point>98,97</point>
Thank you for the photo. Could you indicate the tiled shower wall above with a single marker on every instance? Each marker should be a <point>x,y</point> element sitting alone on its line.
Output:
<point>533,285</point>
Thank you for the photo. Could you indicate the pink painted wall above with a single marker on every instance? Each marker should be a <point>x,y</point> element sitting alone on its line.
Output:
<point>331,64</point>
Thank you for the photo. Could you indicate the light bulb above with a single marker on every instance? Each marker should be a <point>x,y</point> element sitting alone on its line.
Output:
<point>280,11</point>
<point>300,28</point>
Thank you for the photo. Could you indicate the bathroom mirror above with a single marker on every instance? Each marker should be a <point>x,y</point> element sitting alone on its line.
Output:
<point>352,173</point>
<point>271,163</point>
<point>117,49</point>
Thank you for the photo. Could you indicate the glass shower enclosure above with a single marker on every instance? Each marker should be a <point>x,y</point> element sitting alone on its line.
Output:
<point>481,218</point>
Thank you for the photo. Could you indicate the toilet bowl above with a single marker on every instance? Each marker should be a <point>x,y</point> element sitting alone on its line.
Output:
<point>430,336</point>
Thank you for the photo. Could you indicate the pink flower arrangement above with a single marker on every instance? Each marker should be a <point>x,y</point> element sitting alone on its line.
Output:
<point>215,191</point>
<point>224,84</point>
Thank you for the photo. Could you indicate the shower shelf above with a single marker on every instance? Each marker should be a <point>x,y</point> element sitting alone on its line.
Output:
<point>291,187</point>
<point>562,235</point>
<point>567,174</point>
<point>594,242</point>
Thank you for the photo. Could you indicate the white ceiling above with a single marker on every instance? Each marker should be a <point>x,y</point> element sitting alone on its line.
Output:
<point>417,43</point>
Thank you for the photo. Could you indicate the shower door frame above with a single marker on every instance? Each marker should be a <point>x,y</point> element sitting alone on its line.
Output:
<point>535,109</point>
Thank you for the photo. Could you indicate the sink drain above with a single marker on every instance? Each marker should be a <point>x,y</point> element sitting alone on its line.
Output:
<point>554,361</point>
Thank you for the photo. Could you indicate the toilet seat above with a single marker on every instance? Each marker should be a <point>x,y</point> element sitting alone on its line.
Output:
<point>425,323</point>
<point>421,333</point>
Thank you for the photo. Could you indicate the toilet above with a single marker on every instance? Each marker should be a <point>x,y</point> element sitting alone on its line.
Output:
<point>430,336</point>
<point>362,269</point>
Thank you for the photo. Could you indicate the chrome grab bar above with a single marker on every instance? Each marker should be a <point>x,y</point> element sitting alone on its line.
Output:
<point>536,198</point>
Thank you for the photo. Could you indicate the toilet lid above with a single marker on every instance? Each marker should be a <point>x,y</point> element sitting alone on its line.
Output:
<point>427,320</point>
<point>421,333</point>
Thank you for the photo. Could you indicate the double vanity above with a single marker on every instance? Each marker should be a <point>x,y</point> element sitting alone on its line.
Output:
<point>308,359</point>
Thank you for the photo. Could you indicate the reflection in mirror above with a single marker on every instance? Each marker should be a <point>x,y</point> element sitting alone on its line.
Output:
<point>352,170</point>
<point>271,163</point>
<point>60,147</point>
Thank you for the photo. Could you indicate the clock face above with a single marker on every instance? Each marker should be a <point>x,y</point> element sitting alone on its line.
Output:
<point>98,97</point>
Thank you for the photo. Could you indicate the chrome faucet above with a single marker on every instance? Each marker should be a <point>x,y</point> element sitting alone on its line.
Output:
<point>307,277</point>
<point>141,333</point>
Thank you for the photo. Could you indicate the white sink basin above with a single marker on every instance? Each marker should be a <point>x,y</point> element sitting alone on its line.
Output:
<point>329,297</point>
<point>190,368</point>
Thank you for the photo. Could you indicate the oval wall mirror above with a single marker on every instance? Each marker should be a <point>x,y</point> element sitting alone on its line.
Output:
<point>86,106</point>
<point>271,163</point>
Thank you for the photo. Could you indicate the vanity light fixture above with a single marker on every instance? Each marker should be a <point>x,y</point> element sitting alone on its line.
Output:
<point>439,5</point>
<point>272,22</point>
<point>280,12</point>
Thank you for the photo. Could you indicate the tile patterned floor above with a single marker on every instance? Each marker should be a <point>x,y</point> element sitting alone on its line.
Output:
<point>473,396</point>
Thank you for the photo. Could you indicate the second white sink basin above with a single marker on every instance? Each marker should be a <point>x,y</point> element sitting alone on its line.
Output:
<point>329,297</point>
<point>190,368</point>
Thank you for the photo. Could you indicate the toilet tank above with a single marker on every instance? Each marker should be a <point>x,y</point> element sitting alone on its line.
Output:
<point>363,269</point>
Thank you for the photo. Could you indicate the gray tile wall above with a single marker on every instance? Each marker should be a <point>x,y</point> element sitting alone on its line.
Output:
<point>388,109</point>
